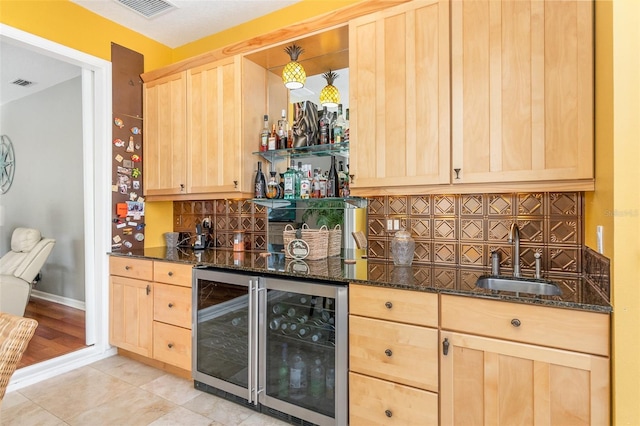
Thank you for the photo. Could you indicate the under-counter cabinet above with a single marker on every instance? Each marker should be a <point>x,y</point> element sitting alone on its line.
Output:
<point>506,363</point>
<point>522,91</point>
<point>399,97</point>
<point>393,356</point>
<point>150,309</point>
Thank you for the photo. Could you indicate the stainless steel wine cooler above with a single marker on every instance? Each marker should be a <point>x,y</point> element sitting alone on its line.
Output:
<point>279,344</point>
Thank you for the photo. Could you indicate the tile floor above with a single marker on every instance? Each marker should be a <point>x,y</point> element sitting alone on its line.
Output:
<point>120,391</point>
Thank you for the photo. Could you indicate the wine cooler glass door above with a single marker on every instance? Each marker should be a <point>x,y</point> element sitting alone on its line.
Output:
<point>223,332</point>
<point>302,332</point>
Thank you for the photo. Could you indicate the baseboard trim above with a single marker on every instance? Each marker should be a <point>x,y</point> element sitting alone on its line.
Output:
<point>72,303</point>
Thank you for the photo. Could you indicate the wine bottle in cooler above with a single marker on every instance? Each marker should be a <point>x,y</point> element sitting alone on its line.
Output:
<point>297,376</point>
<point>283,374</point>
<point>317,380</point>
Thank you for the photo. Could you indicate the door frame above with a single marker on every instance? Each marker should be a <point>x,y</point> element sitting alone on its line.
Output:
<point>96,136</point>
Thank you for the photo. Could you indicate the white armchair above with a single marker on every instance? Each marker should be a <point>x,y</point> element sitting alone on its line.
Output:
<point>19,268</point>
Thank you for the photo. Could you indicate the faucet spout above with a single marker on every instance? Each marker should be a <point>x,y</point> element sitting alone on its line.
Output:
<point>514,238</point>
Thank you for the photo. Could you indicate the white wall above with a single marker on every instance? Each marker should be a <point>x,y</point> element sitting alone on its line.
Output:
<point>47,191</point>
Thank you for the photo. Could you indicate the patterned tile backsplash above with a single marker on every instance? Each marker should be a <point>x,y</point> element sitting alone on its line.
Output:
<point>463,230</point>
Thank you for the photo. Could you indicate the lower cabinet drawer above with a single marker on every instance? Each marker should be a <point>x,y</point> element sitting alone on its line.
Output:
<point>379,402</point>
<point>172,345</point>
<point>402,353</point>
<point>172,304</point>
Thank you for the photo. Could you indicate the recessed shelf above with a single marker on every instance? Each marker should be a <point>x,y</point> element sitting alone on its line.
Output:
<point>341,149</point>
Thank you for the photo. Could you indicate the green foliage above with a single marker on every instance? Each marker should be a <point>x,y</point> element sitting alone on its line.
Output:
<point>329,213</point>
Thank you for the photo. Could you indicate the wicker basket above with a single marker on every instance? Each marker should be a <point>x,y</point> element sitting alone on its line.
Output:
<point>288,235</point>
<point>318,241</point>
<point>335,241</point>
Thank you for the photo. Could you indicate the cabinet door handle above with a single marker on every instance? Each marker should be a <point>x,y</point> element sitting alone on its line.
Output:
<point>388,305</point>
<point>170,305</point>
<point>170,273</point>
<point>148,289</point>
<point>235,184</point>
<point>388,352</point>
<point>182,187</point>
<point>388,413</point>
<point>445,347</point>
<point>457,171</point>
<point>170,345</point>
<point>516,322</point>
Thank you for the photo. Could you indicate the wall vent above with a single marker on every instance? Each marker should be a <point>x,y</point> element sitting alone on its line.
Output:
<point>148,8</point>
<point>22,82</point>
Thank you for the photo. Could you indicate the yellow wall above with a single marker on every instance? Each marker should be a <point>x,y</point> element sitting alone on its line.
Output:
<point>67,23</point>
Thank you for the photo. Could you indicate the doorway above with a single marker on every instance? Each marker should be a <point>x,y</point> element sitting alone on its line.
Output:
<point>95,76</point>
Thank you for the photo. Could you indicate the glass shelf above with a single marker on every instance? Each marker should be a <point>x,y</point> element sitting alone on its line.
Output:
<point>282,203</point>
<point>341,149</point>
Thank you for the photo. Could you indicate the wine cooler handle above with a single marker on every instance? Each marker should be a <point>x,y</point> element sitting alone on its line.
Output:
<point>256,311</point>
<point>250,370</point>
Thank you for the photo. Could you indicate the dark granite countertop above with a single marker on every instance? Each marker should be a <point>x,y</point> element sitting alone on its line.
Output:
<point>577,292</point>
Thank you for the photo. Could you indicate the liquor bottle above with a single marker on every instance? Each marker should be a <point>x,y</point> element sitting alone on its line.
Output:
<point>283,374</point>
<point>264,134</point>
<point>290,183</point>
<point>297,376</point>
<point>332,125</point>
<point>298,178</point>
<point>345,129</point>
<point>333,182</point>
<point>315,184</point>
<point>324,127</point>
<point>260,183</point>
<point>273,189</point>
<point>272,141</point>
<point>339,126</point>
<point>282,130</point>
<point>342,177</point>
<point>323,184</point>
<point>317,380</point>
<point>305,183</point>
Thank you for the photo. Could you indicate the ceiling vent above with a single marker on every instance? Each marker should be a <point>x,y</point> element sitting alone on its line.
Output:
<point>22,82</point>
<point>148,8</point>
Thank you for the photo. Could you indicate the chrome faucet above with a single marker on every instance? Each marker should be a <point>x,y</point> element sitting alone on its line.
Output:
<point>514,238</point>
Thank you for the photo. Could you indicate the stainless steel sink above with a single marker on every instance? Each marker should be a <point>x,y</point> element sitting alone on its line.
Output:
<point>519,285</point>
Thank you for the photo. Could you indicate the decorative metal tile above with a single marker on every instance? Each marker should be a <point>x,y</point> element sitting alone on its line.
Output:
<point>224,239</point>
<point>564,203</point>
<point>569,288</point>
<point>259,223</point>
<point>472,254</point>
<point>377,271</point>
<point>471,204</point>
<point>377,248</point>
<point>498,230</point>
<point>421,227</point>
<point>468,279</point>
<point>376,206</point>
<point>402,274</point>
<point>234,206</point>
<point>246,223</point>
<point>563,231</point>
<point>444,252</point>
<point>528,257</point>
<point>422,276</point>
<point>377,227</point>
<point>208,207</point>
<point>246,207</point>
<point>187,207</point>
<point>444,278</point>
<point>471,229</point>
<point>563,259</point>
<point>259,210</point>
<point>422,252</point>
<point>188,222</point>
<point>531,230</point>
<point>398,205</point>
<point>504,253</point>
<point>444,229</point>
<point>500,204</point>
<point>258,241</point>
<point>530,204</point>
<point>420,205</point>
<point>234,223</point>
<point>444,204</point>
<point>198,207</point>
<point>221,223</point>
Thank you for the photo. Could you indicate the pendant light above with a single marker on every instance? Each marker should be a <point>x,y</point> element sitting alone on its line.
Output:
<point>293,75</point>
<point>329,96</point>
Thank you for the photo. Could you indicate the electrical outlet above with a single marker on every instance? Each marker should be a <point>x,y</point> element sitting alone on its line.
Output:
<point>178,220</point>
<point>396,224</point>
<point>389,225</point>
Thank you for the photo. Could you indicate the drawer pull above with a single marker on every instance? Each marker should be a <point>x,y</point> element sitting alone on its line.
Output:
<point>170,273</point>
<point>388,413</point>
<point>389,305</point>
<point>170,345</point>
<point>126,268</point>
<point>388,352</point>
<point>170,305</point>
<point>515,322</point>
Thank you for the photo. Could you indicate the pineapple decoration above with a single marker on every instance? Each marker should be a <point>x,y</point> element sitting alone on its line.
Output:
<point>329,96</point>
<point>293,74</point>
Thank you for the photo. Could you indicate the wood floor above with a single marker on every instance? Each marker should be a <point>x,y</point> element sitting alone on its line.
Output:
<point>61,330</point>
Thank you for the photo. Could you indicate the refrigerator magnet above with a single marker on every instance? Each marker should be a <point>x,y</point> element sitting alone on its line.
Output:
<point>139,236</point>
<point>119,143</point>
<point>118,122</point>
<point>136,130</point>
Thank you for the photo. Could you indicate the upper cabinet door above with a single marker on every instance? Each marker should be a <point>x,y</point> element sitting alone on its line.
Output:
<point>399,97</point>
<point>165,136</point>
<point>214,127</point>
<point>522,90</point>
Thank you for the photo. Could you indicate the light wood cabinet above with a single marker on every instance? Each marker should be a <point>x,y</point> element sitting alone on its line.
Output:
<point>522,91</point>
<point>486,380</point>
<point>393,363</point>
<point>399,97</point>
<point>150,309</point>
<point>131,305</point>
<point>165,136</point>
